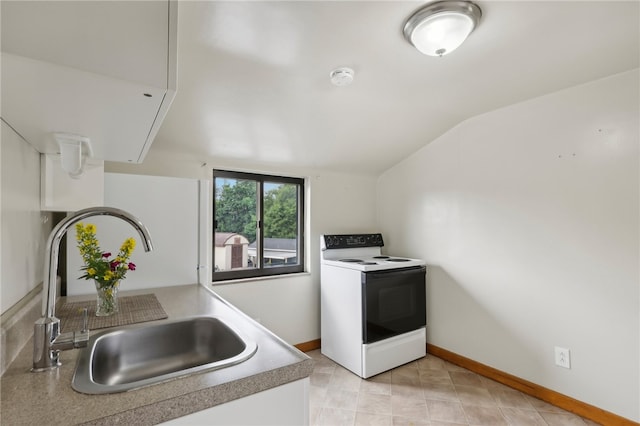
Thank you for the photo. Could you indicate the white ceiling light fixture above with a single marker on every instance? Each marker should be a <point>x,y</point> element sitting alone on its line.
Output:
<point>439,28</point>
<point>341,76</point>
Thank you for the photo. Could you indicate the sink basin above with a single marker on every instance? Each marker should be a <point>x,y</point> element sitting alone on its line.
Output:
<point>131,357</point>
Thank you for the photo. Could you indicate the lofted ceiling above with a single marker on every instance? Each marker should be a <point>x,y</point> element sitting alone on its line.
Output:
<point>253,77</point>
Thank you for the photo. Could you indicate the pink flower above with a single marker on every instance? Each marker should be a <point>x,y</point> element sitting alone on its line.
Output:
<point>132,266</point>
<point>105,255</point>
<point>113,265</point>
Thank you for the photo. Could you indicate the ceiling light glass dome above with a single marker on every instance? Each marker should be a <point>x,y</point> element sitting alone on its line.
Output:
<point>440,28</point>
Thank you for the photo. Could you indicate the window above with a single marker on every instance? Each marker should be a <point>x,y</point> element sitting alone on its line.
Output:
<point>258,225</point>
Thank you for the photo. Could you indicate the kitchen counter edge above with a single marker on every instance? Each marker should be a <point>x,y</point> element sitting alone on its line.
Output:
<point>29,398</point>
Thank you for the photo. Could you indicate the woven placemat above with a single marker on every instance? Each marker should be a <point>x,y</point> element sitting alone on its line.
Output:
<point>133,309</point>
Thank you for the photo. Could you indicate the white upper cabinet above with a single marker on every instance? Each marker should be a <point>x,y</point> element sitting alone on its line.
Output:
<point>105,70</point>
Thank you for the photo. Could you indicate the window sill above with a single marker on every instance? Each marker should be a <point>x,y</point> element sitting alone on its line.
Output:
<point>264,278</point>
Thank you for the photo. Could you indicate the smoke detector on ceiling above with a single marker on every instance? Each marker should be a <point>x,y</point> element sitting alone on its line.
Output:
<point>341,76</point>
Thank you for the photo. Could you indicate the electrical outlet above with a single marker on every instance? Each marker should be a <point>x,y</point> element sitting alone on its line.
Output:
<point>563,357</point>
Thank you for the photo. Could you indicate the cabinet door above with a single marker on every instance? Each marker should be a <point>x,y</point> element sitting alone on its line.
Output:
<point>122,40</point>
<point>101,69</point>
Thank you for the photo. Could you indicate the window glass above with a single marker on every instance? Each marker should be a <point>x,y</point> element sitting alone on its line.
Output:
<point>235,223</point>
<point>257,225</point>
<point>280,243</point>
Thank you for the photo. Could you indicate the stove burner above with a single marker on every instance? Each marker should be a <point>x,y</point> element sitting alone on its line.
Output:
<point>397,260</point>
<point>351,260</point>
<point>367,263</point>
<point>380,257</point>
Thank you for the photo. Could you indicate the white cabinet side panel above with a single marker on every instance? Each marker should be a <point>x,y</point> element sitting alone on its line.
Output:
<point>284,405</point>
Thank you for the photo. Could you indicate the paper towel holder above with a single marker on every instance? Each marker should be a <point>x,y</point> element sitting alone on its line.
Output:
<point>74,150</point>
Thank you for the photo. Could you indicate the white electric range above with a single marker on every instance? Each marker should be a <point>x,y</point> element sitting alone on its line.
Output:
<point>373,306</point>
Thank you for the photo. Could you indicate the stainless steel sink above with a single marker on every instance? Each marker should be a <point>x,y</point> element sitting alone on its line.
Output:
<point>131,357</point>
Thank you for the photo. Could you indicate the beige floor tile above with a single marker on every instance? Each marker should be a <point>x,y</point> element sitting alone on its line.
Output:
<point>473,395</point>
<point>562,419</point>
<point>408,390</point>
<point>323,366</point>
<point>452,367</point>
<point>315,354</point>
<point>320,379</point>
<point>317,396</point>
<point>435,376</point>
<point>407,407</point>
<point>407,421</point>
<point>345,380</point>
<point>423,393</point>
<point>313,414</point>
<point>446,392</point>
<point>511,398</point>
<point>484,416</point>
<point>343,399</point>
<point>374,403</point>
<point>542,406</point>
<point>520,417</point>
<point>493,385</point>
<point>430,362</point>
<point>465,378</point>
<point>445,411</point>
<point>369,419</point>
<point>409,376</point>
<point>369,386</point>
<point>381,378</point>
<point>409,369</point>
<point>335,417</point>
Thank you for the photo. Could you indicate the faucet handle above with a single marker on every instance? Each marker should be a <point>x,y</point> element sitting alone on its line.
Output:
<point>85,320</point>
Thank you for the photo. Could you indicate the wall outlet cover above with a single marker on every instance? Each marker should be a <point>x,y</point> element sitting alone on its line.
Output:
<point>562,357</point>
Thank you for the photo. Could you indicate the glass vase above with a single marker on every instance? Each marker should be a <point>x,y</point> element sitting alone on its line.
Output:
<point>107,299</point>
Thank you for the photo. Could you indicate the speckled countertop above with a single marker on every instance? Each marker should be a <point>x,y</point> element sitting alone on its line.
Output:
<point>47,398</point>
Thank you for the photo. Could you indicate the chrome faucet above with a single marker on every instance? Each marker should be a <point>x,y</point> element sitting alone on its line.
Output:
<point>47,339</point>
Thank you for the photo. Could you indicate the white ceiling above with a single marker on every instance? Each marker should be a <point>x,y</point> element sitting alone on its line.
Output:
<point>253,77</point>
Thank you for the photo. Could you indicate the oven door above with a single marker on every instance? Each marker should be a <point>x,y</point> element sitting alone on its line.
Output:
<point>393,302</point>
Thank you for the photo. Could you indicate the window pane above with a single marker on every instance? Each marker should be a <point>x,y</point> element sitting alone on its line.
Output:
<point>236,219</point>
<point>258,225</point>
<point>280,224</point>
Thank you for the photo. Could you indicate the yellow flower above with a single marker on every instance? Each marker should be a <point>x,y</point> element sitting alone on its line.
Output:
<point>99,265</point>
<point>129,244</point>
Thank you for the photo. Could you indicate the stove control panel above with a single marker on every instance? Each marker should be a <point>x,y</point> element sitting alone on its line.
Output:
<point>351,241</point>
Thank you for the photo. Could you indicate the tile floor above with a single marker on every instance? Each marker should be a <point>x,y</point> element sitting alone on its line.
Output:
<point>428,391</point>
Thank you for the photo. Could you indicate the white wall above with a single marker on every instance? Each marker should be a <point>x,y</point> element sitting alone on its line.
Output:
<point>23,227</point>
<point>528,217</point>
<point>336,202</point>
<point>168,207</point>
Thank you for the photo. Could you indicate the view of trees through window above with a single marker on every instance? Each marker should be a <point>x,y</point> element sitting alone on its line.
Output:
<point>239,222</point>
<point>236,204</point>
